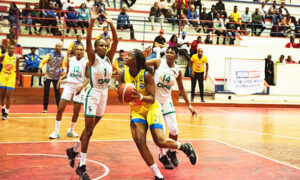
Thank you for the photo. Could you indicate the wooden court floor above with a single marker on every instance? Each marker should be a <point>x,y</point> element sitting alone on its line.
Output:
<point>265,139</point>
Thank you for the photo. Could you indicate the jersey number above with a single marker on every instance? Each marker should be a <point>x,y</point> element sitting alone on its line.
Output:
<point>167,78</point>
<point>76,69</point>
<point>105,71</point>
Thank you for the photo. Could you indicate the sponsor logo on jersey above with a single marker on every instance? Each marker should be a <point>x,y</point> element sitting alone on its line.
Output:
<point>75,75</point>
<point>103,81</point>
<point>161,85</point>
<point>142,86</point>
<point>141,78</point>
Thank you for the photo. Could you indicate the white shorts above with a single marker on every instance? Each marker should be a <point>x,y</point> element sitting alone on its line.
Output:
<point>69,92</point>
<point>167,106</point>
<point>95,102</point>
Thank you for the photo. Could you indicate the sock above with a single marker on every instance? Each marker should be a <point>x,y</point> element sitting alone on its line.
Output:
<point>182,147</point>
<point>77,146</point>
<point>179,146</point>
<point>82,159</point>
<point>173,150</point>
<point>162,152</point>
<point>6,111</point>
<point>156,171</point>
<point>57,125</point>
<point>72,125</point>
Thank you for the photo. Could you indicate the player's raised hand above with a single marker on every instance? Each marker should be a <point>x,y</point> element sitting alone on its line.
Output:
<point>108,19</point>
<point>95,12</point>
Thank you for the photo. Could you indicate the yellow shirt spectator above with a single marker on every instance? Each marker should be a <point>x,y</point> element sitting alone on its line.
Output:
<point>198,64</point>
<point>236,16</point>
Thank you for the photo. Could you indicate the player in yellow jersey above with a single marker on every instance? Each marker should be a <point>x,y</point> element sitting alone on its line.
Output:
<point>8,76</point>
<point>146,112</point>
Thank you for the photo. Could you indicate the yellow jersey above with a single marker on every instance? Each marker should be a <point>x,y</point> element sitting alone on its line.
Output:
<point>139,82</point>
<point>198,64</point>
<point>9,64</point>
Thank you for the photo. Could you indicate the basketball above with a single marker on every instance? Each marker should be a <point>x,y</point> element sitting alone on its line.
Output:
<point>125,92</point>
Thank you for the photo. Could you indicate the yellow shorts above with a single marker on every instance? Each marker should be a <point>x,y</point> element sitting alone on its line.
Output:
<point>153,118</point>
<point>7,81</point>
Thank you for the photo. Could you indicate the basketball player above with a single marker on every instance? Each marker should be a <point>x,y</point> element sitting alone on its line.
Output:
<point>145,111</point>
<point>8,76</point>
<point>74,89</point>
<point>166,74</point>
<point>100,72</point>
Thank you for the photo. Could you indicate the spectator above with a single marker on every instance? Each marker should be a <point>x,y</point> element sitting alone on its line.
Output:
<point>163,6</point>
<point>292,43</point>
<point>127,3</point>
<point>182,15</point>
<point>71,48</point>
<point>105,35</point>
<point>123,22</point>
<point>155,15</point>
<point>26,15</point>
<point>11,38</point>
<point>183,46</point>
<point>263,12</point>
<point>184,2</point>
<point>102,9</point>
<point>284,12</point>
<point>276,29</point>
<point>71,18</point>
<point>207,40</point>
<point>220,7</point>
<point>211,16</point>
<point>280,60</point>
<point>204,19</point>
<point>219,28</point>
<point>246,19</point>
<point>90,4</point>
<point>235,15</point>
<point>272,13</point>
<point>13,14</point>
<point>197,68</point>
<point>297,29</point>
<point>269,70</point>
<point>195,45</point>
<point>83,17</point>
<point>159,44</point>
<point>289,60</point>
<point>257,22</point>
<point>65,4</point>
<point>231,29</point>
<point>36,14</point>
<point>173,41</point>
<point>119,62</point>
<point>197,3</point>
<point>193,18</point>
<point>32,64</point>
<point>50,14</point>
<point>298,45</point>
<point>286,24</point>
<point>173,16</point>
<point>55,66</point>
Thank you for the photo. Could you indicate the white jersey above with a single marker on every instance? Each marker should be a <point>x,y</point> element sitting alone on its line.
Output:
<point>164,78</point>
<point>76,73</point>
<point>100,73</point>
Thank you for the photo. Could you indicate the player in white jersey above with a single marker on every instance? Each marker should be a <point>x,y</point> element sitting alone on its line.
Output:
<point>100,72</point>
<point>77,79</point>
<point>166,74</point>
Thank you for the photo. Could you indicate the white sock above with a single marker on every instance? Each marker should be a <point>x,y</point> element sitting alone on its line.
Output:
<point>179,145</point>
<point>156,171</point>
<point>3,107</point>
<point>77,146</point>
<point>57,125</point>
<point>82,159</point>
<point>162,152</point>
<point>72,125</point>
<point>6,111</point>
<point>173,150</point>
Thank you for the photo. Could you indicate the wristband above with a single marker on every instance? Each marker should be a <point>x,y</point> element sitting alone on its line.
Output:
<point>141,97</point>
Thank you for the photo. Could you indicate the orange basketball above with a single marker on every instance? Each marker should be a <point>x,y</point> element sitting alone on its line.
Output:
<point>125,92</point>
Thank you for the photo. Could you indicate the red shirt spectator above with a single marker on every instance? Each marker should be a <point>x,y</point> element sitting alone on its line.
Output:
<point>194,45</point>
<point>289,60</point>
<point>186,2</point>
<point>291,43</point>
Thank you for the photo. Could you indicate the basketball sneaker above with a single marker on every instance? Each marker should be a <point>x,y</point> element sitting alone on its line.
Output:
<point>71,133</point>
<point>165,161</point>
<point>71,156</point>
<point>54,135</point>
<point>44,111</point>
<point>190,152</point>
<point>173,157</point>
<point>81,171</point>
<point>157,178</point>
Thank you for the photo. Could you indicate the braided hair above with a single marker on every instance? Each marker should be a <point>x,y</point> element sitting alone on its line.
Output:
<point>140,60</point>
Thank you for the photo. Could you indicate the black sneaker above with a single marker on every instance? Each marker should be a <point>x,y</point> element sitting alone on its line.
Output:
<point>81,171</point>
<point>71,156</point>
<point>190,152</point>
<point>173,157</point>
<point>165,161</point>
<point>3,114</point>
<point>157,178</point>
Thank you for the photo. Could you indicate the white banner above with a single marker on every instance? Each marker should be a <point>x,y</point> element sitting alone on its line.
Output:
<point>246,76</point>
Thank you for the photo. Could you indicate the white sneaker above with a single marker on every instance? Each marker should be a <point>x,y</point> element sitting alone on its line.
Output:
<point>71,133</point>
<point>54,135</point>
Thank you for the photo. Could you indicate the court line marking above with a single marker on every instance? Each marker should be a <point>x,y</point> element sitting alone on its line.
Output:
<point>257,154</point>
<point>56,155</point>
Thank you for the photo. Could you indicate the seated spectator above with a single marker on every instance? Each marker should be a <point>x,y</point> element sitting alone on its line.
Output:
<point>26,15</point>
<point>182,15</point>
<point>289,60</point>
<point>90,4</point>
<point>71,18</point>
<point>236,16</point>
<point>193,18</point>
<point>280,60</point>
<point>32,64</point>
<point>196,3</point>
<point>286,24</point>
<point>83,17</point>
<point>155,15</point>
<point>292,43</point>
<point>231,29</point>
<point>13,14</point>
<point>159,45</point>
<point>123,22</point>
<point>246,19</point>
<point>220,7</point>
<point>173,41</point>
<point>119,62</point>
<point>283,12</point>
<point>105,35</point>
<point>71,48</point>
<point>269,70</point>
<point>183,46</point>
<point>298,45</point>
<point>263,12</point>
<point>273,13</point>
<point>204,19</point>
<point>50,14</point>
<point>297,29</point>
<point>127,3</point>
<point>11,38</point>
<point>173,16</point>
<point>211,16</point>
<point>102,9</point>
<point>36,15</point>
<point>207,40</point>
<point>163,6</point>
<point>195,45</point>
<point>184,2</point>
<point>257,23</point>
<point>276,30</point>
<point>219,28</point>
